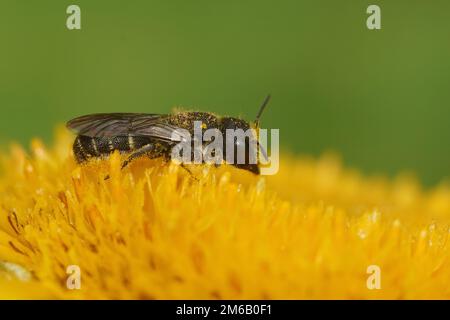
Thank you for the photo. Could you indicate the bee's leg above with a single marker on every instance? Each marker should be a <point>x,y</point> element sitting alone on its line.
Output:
<point>189,171</point>
<point>167,158</point>
<point>139,152</point>
<point>186,168</point>
<point>136,154</point>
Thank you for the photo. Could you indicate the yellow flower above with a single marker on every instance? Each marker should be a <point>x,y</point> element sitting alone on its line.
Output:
<point>151,231</point>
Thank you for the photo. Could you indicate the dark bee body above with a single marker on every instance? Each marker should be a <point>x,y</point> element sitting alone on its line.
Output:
<point>145,134</point>
<point>86,147</point>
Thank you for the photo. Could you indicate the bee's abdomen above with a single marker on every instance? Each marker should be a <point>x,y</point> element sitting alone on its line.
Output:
<point>85,147</point>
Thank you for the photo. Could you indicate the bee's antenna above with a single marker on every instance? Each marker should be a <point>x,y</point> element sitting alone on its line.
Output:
<point>261,109</point>
<point>256,123</point>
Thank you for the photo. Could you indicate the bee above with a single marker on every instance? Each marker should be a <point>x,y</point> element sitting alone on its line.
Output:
<point>151,135</point>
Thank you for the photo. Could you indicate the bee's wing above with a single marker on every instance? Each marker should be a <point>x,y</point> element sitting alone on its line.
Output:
<point>117,124</point>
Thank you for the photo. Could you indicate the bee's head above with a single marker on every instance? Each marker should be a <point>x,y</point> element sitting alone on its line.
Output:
<point>248,145</point>
<point>243,140</point>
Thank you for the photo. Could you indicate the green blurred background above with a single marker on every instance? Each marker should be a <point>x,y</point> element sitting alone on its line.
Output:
<point>381,99</point>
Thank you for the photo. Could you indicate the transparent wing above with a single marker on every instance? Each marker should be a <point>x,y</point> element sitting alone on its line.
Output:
<point>122,124</point>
